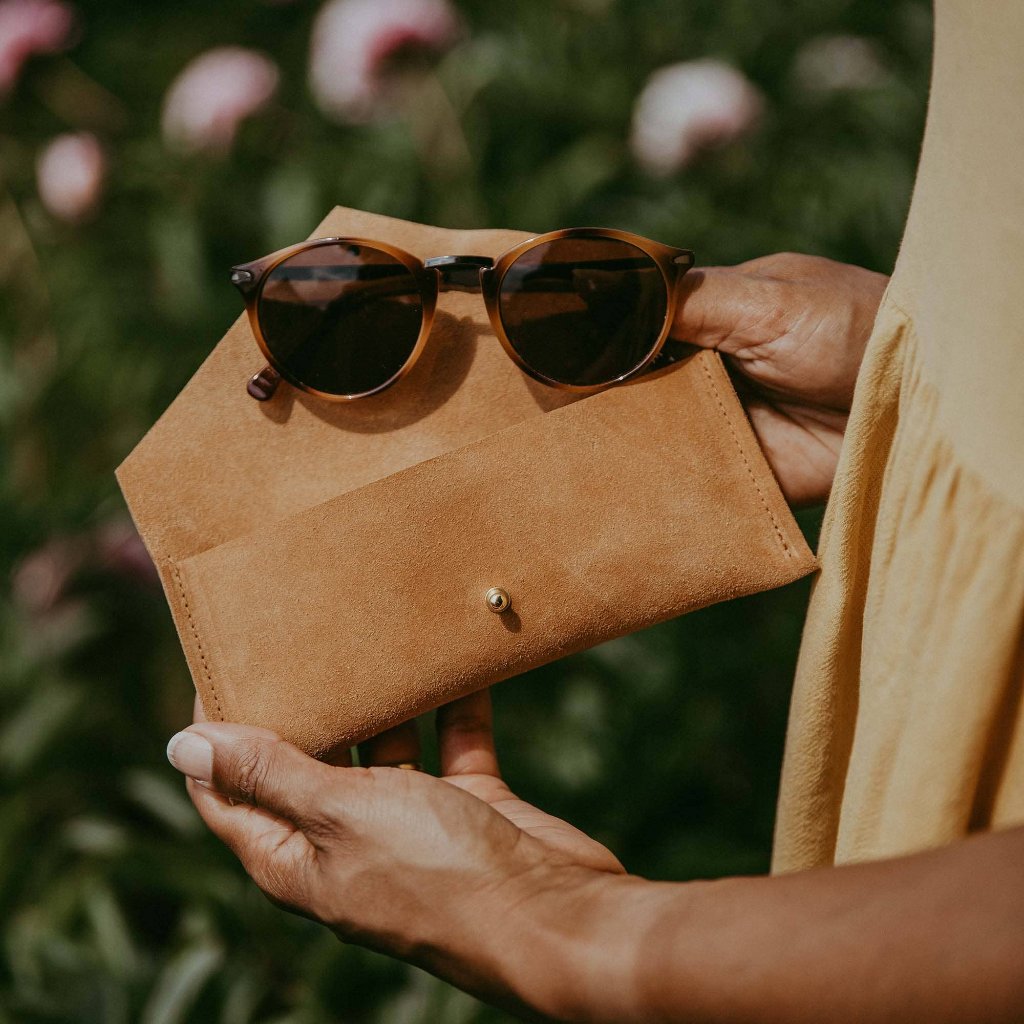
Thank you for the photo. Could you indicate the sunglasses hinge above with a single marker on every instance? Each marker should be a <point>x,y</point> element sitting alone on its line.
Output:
<point>244,280</point>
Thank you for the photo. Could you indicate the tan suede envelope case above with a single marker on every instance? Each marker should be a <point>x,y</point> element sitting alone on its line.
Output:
<point>326,563</point>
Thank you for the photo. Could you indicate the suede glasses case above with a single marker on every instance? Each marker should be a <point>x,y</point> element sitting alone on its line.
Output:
<point>326,564</point>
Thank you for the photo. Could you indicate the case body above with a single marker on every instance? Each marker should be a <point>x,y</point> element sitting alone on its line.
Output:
<point>326,564</point>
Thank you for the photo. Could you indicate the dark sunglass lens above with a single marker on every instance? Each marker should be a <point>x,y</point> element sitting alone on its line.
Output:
<point>583,310</point>
<point>341,319</point>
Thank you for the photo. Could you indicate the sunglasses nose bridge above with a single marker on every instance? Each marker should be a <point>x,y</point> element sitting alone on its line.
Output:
<point>459,273</point>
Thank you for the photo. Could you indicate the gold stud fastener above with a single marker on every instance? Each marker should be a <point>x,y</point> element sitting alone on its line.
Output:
<point>498,600</point>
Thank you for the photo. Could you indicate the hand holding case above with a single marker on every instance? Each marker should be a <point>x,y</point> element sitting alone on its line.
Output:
<point>326,564</point>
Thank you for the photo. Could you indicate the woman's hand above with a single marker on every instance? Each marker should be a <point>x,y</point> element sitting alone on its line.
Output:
<point>454,873</point>
<point>793,329</point>
<point>457,875</point>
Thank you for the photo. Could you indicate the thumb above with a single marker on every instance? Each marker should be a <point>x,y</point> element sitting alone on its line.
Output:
<point>721,307</point>
<point>256,766</point>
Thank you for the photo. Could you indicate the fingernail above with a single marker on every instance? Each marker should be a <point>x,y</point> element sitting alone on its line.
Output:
<point>192,755</point>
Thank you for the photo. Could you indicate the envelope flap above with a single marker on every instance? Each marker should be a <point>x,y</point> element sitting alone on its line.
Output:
<point>217,463</point>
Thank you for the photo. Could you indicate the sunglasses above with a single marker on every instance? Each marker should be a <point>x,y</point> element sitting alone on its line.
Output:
<point>345,318</point>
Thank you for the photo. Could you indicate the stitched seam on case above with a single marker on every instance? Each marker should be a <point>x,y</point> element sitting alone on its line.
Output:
<point>199,645</point>
<point>746,462</point>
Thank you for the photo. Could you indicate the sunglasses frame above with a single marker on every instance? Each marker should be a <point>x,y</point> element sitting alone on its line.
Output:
<point>455,272</point>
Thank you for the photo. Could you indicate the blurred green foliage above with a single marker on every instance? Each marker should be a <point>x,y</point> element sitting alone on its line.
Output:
<point>115,906</point>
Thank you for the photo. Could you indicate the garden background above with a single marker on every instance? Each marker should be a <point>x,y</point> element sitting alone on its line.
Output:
<point>802,133</point>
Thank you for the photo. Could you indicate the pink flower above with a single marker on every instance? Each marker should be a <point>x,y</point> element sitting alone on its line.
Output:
<point>357,43</point>
<point>832,63</point>
<point>41,579</point>
<point>28,27</point>
<point>120,550</point>
<point>45,578</point>
<point>685,108</point>
<point>69,176</point>
<point>211,97</point>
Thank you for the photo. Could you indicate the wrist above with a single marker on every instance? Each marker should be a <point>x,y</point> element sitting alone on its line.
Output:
<point>533,941</point>
<point>568,948</point>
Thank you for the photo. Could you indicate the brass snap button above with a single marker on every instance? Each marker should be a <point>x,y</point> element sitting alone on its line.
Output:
<point>498,600</point>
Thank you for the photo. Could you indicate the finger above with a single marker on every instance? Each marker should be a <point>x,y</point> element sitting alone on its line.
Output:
<point>198,714</point>
<point>723,307</point>
<point>802,447</point>
<point>397,746</point>
<point>239,826</point>
<point>256,766</point>
<point>275,854</point>
<point>465,736</point>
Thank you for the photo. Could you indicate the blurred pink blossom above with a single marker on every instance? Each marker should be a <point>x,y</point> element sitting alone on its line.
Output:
<point>357,43</point>
<point>28,27</point>
<point>687,107</point>
<point>831,63</point>
<point>41,579</point>
<point>69,176</point>
<point>214,93</point>
<point>120,550</point>
<point>45,577</point>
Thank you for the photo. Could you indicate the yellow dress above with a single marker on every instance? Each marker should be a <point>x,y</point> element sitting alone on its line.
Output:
<point>907,724</point>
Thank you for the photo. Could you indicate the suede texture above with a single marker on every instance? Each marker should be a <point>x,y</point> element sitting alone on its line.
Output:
<point>326,564</point>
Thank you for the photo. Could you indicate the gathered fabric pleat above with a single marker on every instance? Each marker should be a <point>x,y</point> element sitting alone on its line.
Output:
<point>906,725</point>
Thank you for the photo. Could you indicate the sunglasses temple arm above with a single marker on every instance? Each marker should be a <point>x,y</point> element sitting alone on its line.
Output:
<point>262,385</point>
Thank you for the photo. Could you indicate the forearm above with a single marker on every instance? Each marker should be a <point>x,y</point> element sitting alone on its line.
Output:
<point>521,908</point>
<point>936,937</point>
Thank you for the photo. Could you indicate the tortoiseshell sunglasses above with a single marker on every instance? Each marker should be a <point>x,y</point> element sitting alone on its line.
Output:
<point>345,318</point>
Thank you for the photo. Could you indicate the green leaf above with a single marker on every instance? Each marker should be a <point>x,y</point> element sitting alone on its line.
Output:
<point>180,983</point>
